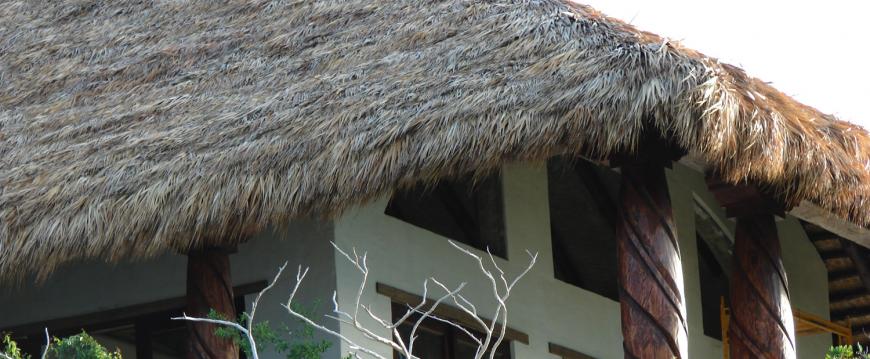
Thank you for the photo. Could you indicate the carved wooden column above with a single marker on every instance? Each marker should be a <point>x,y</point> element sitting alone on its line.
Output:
<point>650,270</point>
<point>209,287</point>
<point>761,323</point>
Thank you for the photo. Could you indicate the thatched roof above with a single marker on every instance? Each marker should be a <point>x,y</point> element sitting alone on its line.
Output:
<point>131,127</point>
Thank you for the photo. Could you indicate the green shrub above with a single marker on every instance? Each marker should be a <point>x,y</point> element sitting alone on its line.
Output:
<point>11,350</point>
<point>848,352</point>
<point>300,345</point>
<point>80,346</point>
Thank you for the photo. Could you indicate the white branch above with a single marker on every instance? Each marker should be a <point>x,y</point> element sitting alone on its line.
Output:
<point>501,295</point>
<point>248,330</point>
<point>47,344</point>
<point>226,323</point>
<point>493,332</point>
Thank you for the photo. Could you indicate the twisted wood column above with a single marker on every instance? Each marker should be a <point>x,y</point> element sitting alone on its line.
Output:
<point>209,287</point>
<point>650,270</point>
<point>761,324</point>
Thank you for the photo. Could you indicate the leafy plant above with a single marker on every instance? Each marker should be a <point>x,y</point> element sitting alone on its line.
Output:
<point>80,346</point>
<point>848,352</point>
<point>11,350</point>
<point>300,345</point>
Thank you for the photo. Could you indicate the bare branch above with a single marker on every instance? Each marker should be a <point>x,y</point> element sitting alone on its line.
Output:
<point>250,318</point>
<point>427,314</point>
<point>493,332</point>
<point>225,323</point>
<point>47,344</point>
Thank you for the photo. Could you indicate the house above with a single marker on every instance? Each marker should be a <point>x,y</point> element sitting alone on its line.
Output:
<point>167,157</point>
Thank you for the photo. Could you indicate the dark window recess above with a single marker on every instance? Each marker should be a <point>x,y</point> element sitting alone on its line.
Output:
<point>582,198</point>
<point>714,287</point>
<point>714,256</point>
<point>437,340</point>
<point>462,209</point>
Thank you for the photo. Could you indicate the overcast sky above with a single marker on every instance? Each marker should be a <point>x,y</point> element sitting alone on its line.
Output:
<point>815,51</point>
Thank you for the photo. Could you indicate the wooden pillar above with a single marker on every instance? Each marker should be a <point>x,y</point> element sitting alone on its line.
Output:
<point>209,288</point>
<point>144,344</point>
<point>761,324</point>
<point>650,270</point>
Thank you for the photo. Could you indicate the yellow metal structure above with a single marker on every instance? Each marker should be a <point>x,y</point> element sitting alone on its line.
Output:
<point>805,324</point>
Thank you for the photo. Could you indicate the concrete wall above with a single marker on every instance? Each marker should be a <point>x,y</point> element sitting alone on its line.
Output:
<point>685,185</point>
<point>93,286</point>
<point>549,310</point>
<point>807,282</point>
<point>402,256</point>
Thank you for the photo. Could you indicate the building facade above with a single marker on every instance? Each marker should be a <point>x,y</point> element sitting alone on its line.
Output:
<point>553,310</point>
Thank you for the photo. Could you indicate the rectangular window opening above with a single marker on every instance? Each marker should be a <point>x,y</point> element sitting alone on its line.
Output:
<point>466,210</point>
<point>582,198</point>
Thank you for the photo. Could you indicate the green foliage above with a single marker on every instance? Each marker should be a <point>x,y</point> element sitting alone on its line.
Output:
<point>80,346</point>
<point>848,352</point>
<point>11,350</point>
<point>840,352</point>
<point>300,345</point>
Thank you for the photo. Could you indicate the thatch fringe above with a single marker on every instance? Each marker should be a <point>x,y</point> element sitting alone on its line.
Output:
<point>129,128</point>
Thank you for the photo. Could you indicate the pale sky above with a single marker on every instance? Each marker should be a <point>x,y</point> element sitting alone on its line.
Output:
<point>815,51</point>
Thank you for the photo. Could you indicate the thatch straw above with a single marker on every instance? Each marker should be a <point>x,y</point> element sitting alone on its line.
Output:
<point>131,127</point>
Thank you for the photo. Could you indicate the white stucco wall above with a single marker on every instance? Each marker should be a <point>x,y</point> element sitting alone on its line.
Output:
<point>402,255</point>
<point>684,185</point>
<point>93,286</point>
<point>807,283</point>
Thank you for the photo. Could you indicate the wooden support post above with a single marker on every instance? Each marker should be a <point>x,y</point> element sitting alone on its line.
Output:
<point>650,269</point>
<point>209,287</point>
<point>761,324</point>
<point>144,347</point>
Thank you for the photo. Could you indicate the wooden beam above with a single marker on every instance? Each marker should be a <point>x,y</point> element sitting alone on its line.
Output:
<point>840,300</point>
<point>850,294</point>
<point>761,323</point>
<point>209,288</point>
<point>833,254</point>
<point>650,268</point>
<point>858,256</point>
<point>114,317</point>
<point>566,353</point>
<point>742,200</point>
<point>855,311</point>
<point>841,275</point>
<point>809,320</point>
<point>445,311</point>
